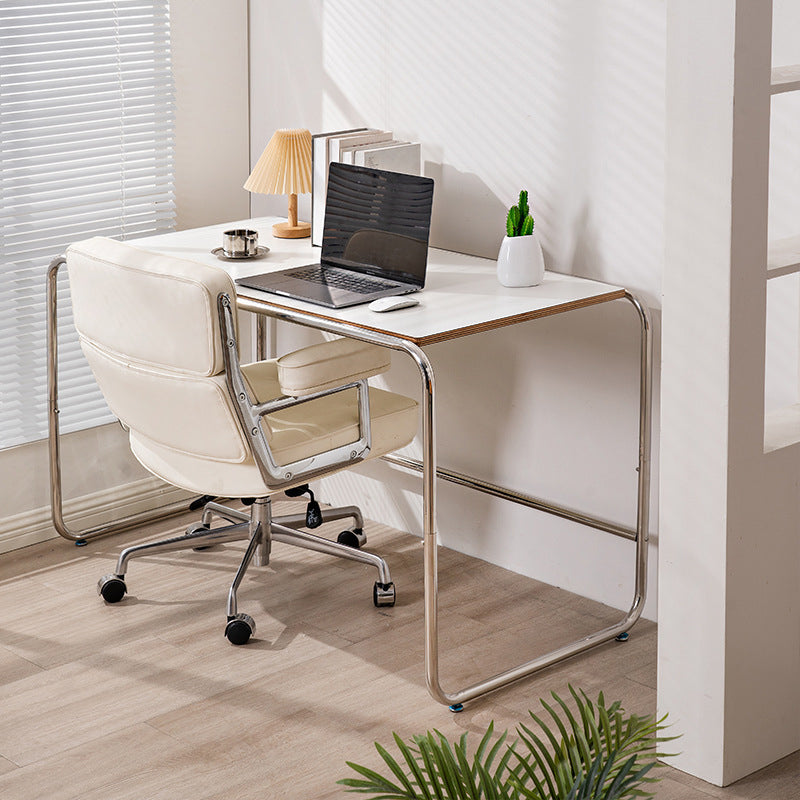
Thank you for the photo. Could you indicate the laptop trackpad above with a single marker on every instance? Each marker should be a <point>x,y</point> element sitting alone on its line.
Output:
<point>293,287</point>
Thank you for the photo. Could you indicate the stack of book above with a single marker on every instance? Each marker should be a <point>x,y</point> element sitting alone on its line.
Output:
<point>364,147</point>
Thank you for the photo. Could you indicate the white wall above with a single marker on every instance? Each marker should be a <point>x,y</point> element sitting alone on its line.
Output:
<point>566,100</point>
<point>209,40</point>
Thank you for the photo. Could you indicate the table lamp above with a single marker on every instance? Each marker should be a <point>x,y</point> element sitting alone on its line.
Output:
<point>285,168</point>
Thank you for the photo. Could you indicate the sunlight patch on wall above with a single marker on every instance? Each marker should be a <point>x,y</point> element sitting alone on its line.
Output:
<point>566,100</point>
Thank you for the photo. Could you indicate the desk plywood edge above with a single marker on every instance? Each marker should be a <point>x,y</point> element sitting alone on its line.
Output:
<point>504,322</point>
<point>258,305</point>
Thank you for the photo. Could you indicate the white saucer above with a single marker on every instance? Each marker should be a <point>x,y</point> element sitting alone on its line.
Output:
<point>260,253</point>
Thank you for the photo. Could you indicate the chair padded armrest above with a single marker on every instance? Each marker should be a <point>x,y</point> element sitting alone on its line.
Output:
<point>330,364</point>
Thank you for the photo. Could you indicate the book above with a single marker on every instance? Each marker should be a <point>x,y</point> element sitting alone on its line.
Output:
<point>319,170</point>
<point>397,157</point>
<point>348,151</point>
<point>337,143</point>
<point>330,144</point>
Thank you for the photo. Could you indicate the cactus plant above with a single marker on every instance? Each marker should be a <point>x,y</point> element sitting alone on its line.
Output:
<point>519,221</point>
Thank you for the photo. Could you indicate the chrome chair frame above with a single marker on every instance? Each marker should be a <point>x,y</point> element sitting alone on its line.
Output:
<point>279,476</point>
<point>80,537</point>
<point>249,417</point>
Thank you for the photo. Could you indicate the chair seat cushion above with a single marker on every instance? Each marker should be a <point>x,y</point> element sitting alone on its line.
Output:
<point>294,433</point>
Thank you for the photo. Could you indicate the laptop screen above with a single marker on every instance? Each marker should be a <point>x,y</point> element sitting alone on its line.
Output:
<point>377,222</point>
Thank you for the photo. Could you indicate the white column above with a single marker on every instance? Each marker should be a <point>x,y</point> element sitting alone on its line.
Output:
<point>210,64</point>
<point>729,618</point>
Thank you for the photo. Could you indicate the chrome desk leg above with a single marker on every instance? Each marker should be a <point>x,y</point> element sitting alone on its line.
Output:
<point>645,434</point>
<point>266,337</point>
<point>429,473</point>
<point>262,337</point>
<point>54,441</point>
<point>430,544</point>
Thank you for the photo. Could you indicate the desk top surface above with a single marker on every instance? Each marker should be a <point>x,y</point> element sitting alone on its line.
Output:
<point>461,296</point>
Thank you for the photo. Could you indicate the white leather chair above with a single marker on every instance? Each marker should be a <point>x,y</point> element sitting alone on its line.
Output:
<point>160,334</point>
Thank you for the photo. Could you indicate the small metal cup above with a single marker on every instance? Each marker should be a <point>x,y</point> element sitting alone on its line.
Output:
<point>240,243</point>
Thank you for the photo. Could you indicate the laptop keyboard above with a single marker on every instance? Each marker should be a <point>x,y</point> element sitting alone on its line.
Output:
<point>341,279</point>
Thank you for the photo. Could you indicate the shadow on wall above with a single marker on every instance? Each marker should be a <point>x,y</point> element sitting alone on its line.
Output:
<point>581,127</point>
<point>467,216</point>
<point>586,260</point>
<point>470,438</point>
<point>537,408</point>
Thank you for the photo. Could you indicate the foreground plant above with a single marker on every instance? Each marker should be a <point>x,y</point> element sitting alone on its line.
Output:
<point>549,767</point>
<point>433,768</point>
<point>598,753</point>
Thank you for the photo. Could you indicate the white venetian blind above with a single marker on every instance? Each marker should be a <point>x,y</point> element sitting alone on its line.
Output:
<point>86,148</point>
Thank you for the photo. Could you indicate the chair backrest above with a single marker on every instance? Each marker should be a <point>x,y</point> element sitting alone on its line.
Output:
<point>149,327</point>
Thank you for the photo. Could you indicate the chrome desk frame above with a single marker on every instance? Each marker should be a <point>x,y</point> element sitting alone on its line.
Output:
<point>54,439</point>
<point>429,471</point>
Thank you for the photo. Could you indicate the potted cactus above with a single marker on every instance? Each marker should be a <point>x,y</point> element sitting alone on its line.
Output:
<point>520,261</point>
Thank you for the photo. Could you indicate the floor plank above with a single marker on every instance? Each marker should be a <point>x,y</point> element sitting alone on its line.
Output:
<point>147,699</point>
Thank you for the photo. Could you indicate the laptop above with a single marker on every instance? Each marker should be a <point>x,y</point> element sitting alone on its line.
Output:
<point>374,242</point>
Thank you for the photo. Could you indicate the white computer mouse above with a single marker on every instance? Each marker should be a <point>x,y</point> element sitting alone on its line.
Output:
<point>393,303</point>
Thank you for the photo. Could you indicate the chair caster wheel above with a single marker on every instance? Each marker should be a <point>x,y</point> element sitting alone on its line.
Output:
<point>623,637</point>
<point>199,527</point>
<point>354,538</point>
<point>111,588</point>
<point>240,628</point>
<point>383,594</point>
<point>456,708</point>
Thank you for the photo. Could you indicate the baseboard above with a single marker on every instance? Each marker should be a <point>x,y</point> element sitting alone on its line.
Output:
<point>36,525</point>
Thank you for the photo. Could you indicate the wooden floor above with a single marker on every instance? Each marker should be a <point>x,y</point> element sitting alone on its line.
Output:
<point>147,700</point>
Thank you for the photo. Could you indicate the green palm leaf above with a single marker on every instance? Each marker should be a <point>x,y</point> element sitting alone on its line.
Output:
<point>619,744</point>
<point>578,751</point>
<point>430,768</point>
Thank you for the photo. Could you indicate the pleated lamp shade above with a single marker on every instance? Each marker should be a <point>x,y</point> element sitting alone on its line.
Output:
<point>285,168</point>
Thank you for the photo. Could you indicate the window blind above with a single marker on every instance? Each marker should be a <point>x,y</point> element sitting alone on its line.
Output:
<point>86,148</point>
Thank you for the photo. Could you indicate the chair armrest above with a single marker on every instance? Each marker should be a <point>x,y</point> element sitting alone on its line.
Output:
<point>330,364</point>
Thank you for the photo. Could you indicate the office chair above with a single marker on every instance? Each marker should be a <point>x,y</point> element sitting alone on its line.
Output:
<point>160,335</point>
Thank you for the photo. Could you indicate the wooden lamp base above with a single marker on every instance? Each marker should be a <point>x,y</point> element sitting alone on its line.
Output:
<point>291,229</point>
<point>283,230</point>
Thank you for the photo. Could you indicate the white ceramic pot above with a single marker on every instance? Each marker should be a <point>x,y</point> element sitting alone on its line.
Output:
<point>520,261</point>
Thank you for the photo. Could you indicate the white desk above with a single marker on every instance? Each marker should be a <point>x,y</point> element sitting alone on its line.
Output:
<point>462,297</point>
